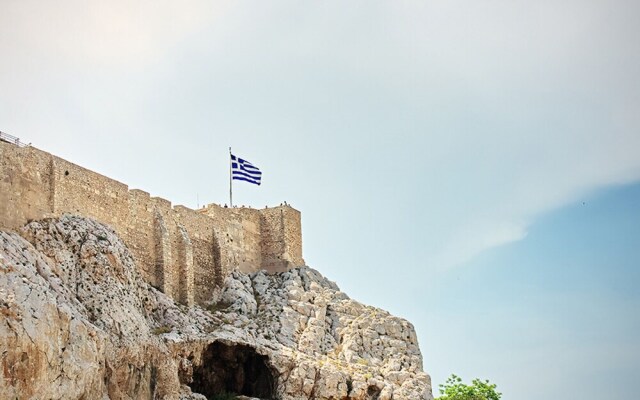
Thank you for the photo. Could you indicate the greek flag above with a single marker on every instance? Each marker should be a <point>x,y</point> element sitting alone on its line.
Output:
<point>243,170</point>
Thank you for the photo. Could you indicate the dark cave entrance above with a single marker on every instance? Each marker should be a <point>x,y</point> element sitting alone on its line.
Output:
<point>373,392</point>
<point>235,369</point>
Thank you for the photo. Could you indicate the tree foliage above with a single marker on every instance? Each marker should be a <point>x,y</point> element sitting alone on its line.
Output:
<point>454,389</point>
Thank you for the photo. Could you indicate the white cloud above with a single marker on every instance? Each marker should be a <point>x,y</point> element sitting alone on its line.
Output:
<point>470,240</point>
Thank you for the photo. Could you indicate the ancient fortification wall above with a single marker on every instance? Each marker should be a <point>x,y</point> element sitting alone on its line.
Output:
<point>186,253</point>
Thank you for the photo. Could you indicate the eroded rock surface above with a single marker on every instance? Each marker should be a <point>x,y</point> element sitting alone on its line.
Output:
<point>77,321</point>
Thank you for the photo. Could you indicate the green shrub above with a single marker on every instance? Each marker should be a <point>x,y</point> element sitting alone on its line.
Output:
<point>454,389</point>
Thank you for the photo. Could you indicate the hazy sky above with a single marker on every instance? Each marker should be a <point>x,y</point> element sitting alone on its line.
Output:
<point>470,165</point>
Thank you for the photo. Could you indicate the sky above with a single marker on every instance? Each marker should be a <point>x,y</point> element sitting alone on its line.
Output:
<point>471,166</point>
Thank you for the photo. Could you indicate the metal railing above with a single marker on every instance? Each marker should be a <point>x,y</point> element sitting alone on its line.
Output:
<point>5,137</point>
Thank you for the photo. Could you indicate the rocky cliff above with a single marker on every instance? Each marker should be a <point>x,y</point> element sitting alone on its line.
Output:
<point>78,322</point>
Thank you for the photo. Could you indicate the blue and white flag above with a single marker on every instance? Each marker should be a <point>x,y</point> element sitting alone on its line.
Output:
<point>243,170</point>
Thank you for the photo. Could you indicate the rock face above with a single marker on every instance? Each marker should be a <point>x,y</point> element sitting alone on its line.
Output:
<point>78,322</point>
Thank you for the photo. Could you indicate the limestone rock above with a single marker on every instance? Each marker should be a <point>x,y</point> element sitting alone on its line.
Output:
<point>339,347</point>
<point>78,321</point>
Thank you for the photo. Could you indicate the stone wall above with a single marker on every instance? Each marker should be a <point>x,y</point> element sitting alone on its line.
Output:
<point>141,233</point>
<point>80,191</point>
<point>281,239</point>
<point>26,185</point>
<point>238,232</point>
<point>186,253</point>
<point>207,272</point>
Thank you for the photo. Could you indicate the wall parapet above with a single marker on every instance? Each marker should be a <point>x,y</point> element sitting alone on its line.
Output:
<point>184,252</point>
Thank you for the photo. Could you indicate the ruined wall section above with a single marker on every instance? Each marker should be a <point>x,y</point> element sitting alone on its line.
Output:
<point>272,248</point>
<point>78,190</point>
<point>292,234</point>
<point>140,240</point>
<point>281,248</point>
<point>206,272</point>
<point>165,231</point>
<point>26,185</point>
<point>238,231</point>
<point>186,294</point>
<point>245,224</point>
<point>35,185</point>
<point>183,252</point>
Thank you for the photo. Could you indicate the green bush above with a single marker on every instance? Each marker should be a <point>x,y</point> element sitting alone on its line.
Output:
<point>454,389</point>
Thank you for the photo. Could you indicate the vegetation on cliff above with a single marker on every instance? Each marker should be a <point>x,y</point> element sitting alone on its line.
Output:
<point>455,389</point>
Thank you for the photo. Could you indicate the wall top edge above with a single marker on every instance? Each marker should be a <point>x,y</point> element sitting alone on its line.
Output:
<point>219,207</point>
<point>159,200</point>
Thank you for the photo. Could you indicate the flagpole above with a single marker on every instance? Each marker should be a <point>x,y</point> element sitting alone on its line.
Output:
<point>230,181</point>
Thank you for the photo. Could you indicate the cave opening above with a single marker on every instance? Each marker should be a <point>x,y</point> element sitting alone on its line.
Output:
<point>234,368</point>
<point>373,392</point>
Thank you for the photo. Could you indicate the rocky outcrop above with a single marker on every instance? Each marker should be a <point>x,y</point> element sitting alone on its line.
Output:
<point>77,321</point>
